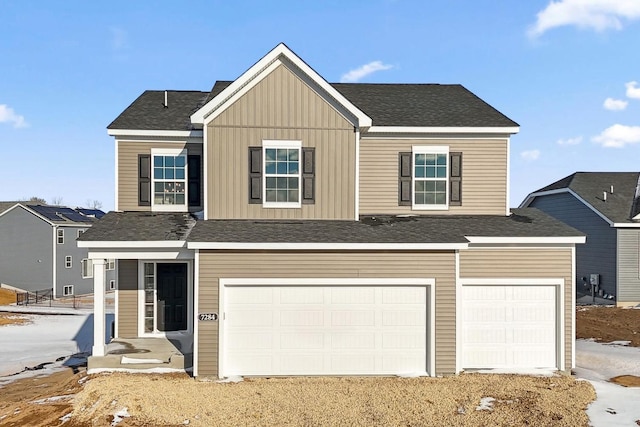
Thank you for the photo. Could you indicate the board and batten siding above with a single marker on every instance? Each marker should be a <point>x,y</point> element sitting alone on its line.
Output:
<point>222,264</point>
<point>628,267</point>
<point>598,254</point>
<point>525,263</point>
<point>280,107</point>
<point>484,175</point>
<point>127,298</point>
<point>128,152</point>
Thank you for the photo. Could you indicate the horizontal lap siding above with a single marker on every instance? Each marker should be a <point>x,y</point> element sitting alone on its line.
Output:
<point>281,107</point>
<point>128,152</point>
<point>215,265</point>
<point>484,175</point>
<point>525,263</point>
<point>127,299</point>
<point>628,266</point>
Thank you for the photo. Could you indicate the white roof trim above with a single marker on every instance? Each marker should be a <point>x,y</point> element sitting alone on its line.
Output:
<point>626,225</point>
<point>532,196</point>
<point>449,129</point>
<point>132,244</point>
<point>32,212</point>
<point>328,246</point>
<point>525,240</point>
<point>141,132</point>
<point>260,70</point>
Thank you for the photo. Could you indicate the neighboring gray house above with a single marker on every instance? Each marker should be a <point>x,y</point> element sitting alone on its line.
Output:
<point>39,250</point>
<point>605,206</point>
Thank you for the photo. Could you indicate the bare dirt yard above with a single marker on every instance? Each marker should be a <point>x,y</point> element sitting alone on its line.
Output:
<point>73,399</point>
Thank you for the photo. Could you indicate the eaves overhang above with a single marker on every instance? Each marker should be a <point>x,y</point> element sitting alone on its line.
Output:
<point>326,246</point>
<point>196,133</point>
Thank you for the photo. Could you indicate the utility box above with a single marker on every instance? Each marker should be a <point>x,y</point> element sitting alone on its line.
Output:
<point>594,279</point>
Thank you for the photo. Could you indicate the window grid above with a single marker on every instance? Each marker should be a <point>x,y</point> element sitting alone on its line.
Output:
<point>430,179</point>
<point>60,236</point>
<point>169,179</point>
<point>149,296</point>
<point>282,175</point>
<point>67,290</point>
<point>111,264</point>
<point>68,261</point>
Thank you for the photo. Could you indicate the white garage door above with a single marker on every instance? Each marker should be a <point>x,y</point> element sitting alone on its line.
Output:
<point>509,327</point>
<point>324,330</point>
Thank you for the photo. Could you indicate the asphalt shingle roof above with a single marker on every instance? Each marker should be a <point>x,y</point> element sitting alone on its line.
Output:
<point>620,206</point>
<point>141,226</point>
<point>424,105</point>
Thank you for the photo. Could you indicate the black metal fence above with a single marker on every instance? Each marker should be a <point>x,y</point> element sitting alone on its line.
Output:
<point>45,298</point>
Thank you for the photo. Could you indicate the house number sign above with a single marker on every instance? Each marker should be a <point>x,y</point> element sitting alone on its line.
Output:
<point>208,316</point>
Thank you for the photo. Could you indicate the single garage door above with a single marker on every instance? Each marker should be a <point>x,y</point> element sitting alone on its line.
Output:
<point>324,330</point>
<point>509,326</point>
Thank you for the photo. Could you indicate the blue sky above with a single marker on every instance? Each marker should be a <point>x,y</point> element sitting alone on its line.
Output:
<point>565,71</point>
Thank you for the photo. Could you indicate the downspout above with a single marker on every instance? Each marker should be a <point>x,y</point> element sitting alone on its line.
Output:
<point>54,259</point>
<point>357,172</point>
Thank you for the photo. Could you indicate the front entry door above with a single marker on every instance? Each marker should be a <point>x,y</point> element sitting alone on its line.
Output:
<point>171,313</point>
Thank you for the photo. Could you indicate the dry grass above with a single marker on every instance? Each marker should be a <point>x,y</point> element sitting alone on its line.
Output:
<point>7,296</point>
<point>451,401</point>
<point>13,319</point>
<point>626,380</point>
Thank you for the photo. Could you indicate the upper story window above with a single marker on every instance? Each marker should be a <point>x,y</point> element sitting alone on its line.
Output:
<point>80,231</point>
<point>60,236</point>
<point>169,180</point>
<point>282,174</point>
<point>430,178</point>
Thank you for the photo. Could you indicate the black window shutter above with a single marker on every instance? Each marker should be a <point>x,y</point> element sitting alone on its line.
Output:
<point>144,180</point>
<point>308,175</point>
<point>194,180</point>
<point>455,179</point>
<point>404,179</point>
<point>255,175</point>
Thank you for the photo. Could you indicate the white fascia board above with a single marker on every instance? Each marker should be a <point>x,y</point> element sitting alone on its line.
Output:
<point>625,225</point>
<point>259,70</point>
<point>502,281</point>
<point>327,246</point>
<point>532,196</point>
<point>132,244</point>
<point>180,254</point>
<point>449,129</point>
<point>141,132</point>
<point>526,240</point>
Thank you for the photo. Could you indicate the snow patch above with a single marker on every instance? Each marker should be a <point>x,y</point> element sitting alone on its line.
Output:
<point>53,399</point>
<point>623,343</point>
<point>65,418</point>
<point>412,374</point>
<point>119,416</point>
<point>486,404</point>
<point>134,371</point>
<point>536,372</point>
<point>231,379</point>
<point>133,361</point>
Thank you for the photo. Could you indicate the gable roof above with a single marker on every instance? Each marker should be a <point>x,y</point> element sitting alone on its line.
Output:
<point>6,205</point>
<point>386,104</point>
<point>620,206</point>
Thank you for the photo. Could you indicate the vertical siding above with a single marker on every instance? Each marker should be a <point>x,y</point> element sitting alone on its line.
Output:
<point>628,266</point>
<point>525,263</point>
<point>598,254</point>
<point>440,265</point>
<point>484,176</point>
<point>127,299</point>
<point>128,152</point>
<point>281,107</point>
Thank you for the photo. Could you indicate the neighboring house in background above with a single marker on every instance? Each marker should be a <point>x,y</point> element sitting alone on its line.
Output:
<point>346,229</point>
<point>39,250</point>
<point>605,206</point>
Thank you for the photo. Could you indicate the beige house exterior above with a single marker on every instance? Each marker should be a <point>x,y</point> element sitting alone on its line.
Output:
<point>283,225</point>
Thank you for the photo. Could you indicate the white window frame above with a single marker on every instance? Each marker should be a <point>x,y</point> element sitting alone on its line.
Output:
<point>176,153</point>
<point>111,264</point>
<point>60,236</point>
<point>67,290</point>
<point>112,285</point>
<point>429,149</point>
<point>68,261</point>
<point>86,267</point>
<point>283,144</point>
<point>80,231</point>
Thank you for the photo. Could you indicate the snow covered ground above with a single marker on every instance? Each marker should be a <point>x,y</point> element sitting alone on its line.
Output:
<point>57,338</point>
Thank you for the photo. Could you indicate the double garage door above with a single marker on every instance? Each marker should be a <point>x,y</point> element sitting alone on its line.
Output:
<point>324,330</point>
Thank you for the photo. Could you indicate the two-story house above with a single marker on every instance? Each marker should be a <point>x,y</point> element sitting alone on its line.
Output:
<point>342,229</point>
<point>38,250</point>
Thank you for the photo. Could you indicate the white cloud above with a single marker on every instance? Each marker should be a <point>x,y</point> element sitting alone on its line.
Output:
<point>357,74</point>
<point>119,38</point>
<point>614,104</point>
<point>632,90</point>
<point>530,155</point>
<point>618,136</point>
<point>570,141</point>
<point>7,115</point>
<point>598,15</point>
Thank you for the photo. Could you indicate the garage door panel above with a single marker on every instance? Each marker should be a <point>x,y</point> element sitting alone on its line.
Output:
<point>353,332</point>
<point>247,295</point>
<point>515,329</point>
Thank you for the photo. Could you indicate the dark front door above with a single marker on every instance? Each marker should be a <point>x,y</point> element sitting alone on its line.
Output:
<point>172,297</point>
